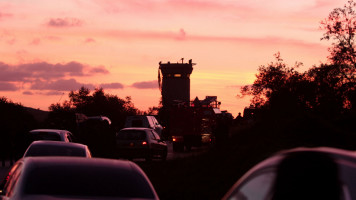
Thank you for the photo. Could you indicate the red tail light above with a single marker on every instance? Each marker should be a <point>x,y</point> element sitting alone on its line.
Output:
<point>8,176</point>
<point>174,139</point>
<point>144,143</point>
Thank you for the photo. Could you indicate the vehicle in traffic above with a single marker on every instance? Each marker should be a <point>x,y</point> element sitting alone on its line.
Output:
<point>98,133</point>
<point>57,148</point>
<point>301,173</point>
<point>50,134</point>
<point>144,121</point>
<point>192,125</point>
<point>140,143</point>
<point>76,178</point>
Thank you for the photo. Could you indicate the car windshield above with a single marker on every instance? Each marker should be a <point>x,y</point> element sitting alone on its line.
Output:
<point>137,123</point>
<point>49,150</point>
<point>86,181</point>
<point>131,135</point>
<point>44,136</point>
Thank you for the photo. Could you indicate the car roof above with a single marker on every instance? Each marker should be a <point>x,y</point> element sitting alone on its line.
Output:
<point>98,166</point>
<point>273,161</point>
<point>136,128</point>
<point>77,161</point>
<point>57,143</point>
<point>56,148</point>
<point>333,152</point>
<point>49,131</point>
<point>101,118</point>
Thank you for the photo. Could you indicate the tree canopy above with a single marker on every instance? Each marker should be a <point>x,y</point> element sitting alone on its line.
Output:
<point>328,89</point>
<point>91,104</point>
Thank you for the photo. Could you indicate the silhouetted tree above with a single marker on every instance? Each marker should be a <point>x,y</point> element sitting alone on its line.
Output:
<point>62,116</point>
<point>278,87</point>
<point>329,97</point>
<point>94,133</point>
<point>152,111</point>
<point>94,104</point>
<point>316,107</point>
<point>340,27</point>
<point>15,122</point>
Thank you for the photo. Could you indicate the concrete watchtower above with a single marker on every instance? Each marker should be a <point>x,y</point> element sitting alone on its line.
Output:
<point>175,83</point>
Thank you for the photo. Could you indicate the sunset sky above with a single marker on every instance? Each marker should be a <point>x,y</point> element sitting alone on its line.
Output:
<point>48,48</point>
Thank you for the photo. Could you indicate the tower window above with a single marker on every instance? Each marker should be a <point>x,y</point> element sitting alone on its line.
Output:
<point>177,75</point>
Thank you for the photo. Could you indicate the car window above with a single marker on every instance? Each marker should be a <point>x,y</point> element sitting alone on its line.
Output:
<point>137,123</point>
<point>155,121</point>
<point>50,150</point>
<point>151,122</point>
<point>156,135</point>
<point>256,188</point>
<point>152,136</point>
<point>44,136</point>
<point>69,138</point>
<point>131,135</point>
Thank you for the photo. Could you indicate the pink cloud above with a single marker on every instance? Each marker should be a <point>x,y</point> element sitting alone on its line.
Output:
<point>183,6</point>
<point>49,77</point>
<point>89,40</point>
<point>64,22</point>
<point>51,93</point>
<point>182,35</point>
<point>36,41</point>
<point>259,41</point>
<point>324,4</point>
<point>11,41</point>
<point>68,85</point>
<point>53,38</point>
<point>10,74</point>
<point>5,15</point>
<point>5,86</point>
<point>179,35</point>
<point>59,85</point>
<point>145,85</point>
<point>99,70</point>
<point>27,93</point>
<point>46,71</point>
<point>198,5</point>
<point>112,86</point>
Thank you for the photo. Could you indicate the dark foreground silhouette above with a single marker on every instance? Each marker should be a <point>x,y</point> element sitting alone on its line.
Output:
<point>307,175</point>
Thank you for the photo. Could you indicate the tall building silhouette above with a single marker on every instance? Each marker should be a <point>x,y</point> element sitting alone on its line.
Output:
<point>175,82</point>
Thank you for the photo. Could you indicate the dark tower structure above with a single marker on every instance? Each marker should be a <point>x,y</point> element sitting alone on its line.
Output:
<point>175,82</point>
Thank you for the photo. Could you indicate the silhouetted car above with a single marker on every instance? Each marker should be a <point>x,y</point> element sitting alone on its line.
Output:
<point>144,121</point>
<point>76,178</point>
<point>100,118</point>
<point>50,134</point>
<point>57,148</point>
<point>301,173</point>
<point>140,143</point>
